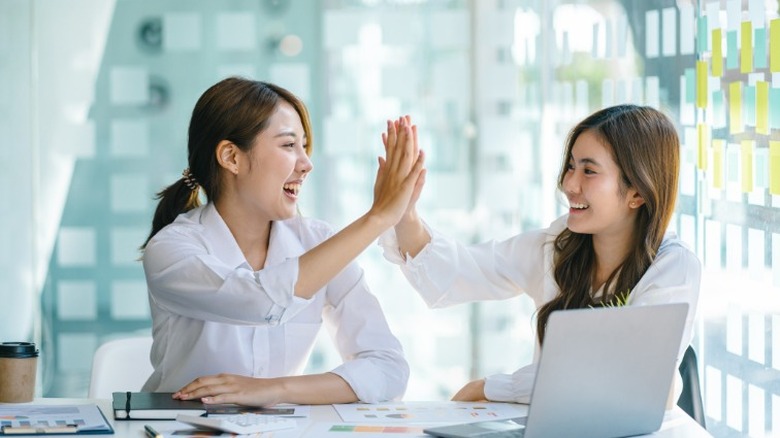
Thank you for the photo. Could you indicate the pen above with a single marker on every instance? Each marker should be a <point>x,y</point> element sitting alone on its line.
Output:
<point>151,433</point>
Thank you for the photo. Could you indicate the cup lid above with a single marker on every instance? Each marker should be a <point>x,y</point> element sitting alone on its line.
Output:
<point>18,349</point>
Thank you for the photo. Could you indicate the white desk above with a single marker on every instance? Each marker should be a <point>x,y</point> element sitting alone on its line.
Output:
<point>677,424</point>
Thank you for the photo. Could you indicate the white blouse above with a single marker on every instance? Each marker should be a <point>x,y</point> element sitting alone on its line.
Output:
<point>446,272</point>
<point>213,314</point>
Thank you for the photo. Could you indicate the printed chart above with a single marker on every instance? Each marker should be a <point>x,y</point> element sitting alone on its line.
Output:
<point>427,412</point>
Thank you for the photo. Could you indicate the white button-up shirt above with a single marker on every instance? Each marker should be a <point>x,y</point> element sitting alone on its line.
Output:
<point>446,272</point>
<point>213,314</point>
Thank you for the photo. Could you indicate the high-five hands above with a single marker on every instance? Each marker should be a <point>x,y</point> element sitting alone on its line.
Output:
<point>401,173</point>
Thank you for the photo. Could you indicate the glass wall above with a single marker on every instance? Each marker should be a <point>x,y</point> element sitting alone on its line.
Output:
<point>95,98</point>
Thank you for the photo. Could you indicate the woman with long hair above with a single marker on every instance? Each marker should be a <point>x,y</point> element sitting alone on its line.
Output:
<point>240,286</point>
<point>619,175</point>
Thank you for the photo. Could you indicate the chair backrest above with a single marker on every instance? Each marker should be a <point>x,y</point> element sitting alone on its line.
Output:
<point>120,365</point>
<point>690,400</point>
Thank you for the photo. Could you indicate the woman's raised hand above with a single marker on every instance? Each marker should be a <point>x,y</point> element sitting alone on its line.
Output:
<point>401,173</point>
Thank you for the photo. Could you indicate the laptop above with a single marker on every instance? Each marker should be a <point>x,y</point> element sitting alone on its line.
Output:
<point>603,372</point>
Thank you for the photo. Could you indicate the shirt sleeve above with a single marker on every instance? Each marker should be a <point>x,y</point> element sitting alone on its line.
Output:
<point>515,387</point>
<point>447,272</point>
<point>374,364</point>
<point>184,278</point>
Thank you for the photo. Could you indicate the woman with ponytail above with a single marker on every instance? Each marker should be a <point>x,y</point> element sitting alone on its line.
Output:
<point>619,175</point>
<point>239,286</point>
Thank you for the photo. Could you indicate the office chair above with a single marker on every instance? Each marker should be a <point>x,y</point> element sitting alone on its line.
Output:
<point>120,365</point>
<point>690,400</point>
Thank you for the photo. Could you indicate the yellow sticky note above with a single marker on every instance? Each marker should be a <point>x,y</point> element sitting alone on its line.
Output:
<point>701,84</point>
<point>717,53</point>
<point>774,45</point>
<point>774,167</point>
<point>762,107</point>
<point>735,108</point>
<point>746,156</point>
<point>704,139</point>
<point>746,53</point>
<point>717,163</point>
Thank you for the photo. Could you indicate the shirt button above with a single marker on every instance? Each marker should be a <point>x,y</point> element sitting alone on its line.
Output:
<point>272,320</point>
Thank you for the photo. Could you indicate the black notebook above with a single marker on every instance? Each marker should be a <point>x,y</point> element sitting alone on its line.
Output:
<point>153,406</point>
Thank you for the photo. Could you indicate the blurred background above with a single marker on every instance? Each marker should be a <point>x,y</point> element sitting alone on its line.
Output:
<point>95,98</point>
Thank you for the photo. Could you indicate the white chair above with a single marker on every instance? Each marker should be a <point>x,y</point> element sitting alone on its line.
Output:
<point>120,365</point>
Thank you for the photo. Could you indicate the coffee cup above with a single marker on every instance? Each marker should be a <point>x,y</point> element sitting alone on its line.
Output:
<point>18,367</point>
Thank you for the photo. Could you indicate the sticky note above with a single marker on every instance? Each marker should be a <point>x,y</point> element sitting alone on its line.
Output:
<point>703,149</point>
<point>652,38</point>
<point>774,45</point>
<point>690,85</point>
<point>759,49</point>
<point>718,110</point>
<point>732,163</point>
<point>717,163</point>
<point>774,108</point>
<point>701,34</point>
<point>774,167</point>
<point>746,58</point>
<point>746,156</point>
<point>731,49</point>
<point>669,31</point>
<point>686,28</point>
<point>701,84</point>
<point>735,108</point>
<point>762,107</point>
<point>762,167</point>
<point>749,105</point>
<point>717,53</point>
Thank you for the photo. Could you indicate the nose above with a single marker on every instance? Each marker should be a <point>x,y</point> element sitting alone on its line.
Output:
<point>571,181</point>
<point>304,163</point>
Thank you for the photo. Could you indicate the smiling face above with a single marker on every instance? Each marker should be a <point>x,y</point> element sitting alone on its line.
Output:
<point>598,204</point>
<point>269,177</point>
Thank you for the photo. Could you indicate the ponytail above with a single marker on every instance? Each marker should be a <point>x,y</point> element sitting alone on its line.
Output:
<point>175,199</point>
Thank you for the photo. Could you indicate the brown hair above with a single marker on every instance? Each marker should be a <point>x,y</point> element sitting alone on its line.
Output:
<point>236,110</point>
<point>646,148</point>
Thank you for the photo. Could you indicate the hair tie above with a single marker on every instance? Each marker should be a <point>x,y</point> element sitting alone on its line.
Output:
<point>189,179</point>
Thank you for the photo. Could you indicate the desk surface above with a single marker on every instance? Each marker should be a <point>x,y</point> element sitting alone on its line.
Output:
<point>677,424</point>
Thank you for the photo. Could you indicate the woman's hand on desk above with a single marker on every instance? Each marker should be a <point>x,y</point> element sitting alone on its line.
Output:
<point>473,391</point>
<point>311,389</point>
<point>231,388</point>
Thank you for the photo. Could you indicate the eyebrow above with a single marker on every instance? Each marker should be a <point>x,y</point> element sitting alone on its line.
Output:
<point>586,161</point>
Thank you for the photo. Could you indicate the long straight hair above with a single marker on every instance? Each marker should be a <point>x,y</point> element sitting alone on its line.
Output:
<point>236,110</point>
<point>646,149</point>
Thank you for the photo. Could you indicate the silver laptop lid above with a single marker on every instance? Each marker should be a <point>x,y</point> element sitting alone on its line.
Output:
<point>606,372</point>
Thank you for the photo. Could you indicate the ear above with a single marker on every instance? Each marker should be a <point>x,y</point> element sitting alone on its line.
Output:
<point>228,156</point>
<point>634,199</point>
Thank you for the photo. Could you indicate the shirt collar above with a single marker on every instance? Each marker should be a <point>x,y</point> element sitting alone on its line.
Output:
<point>284,242</point>
<point>223,244</point>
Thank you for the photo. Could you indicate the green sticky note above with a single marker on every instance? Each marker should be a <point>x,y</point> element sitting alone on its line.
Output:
<point>746,56</point>
<point>690,85</point>
<point>701,34</point>
<point>731,46</point>
<point>759,49</point>
<point>717,53</point>
<point>718,110</point>
<point>762,107</point>
<point>774,108</point>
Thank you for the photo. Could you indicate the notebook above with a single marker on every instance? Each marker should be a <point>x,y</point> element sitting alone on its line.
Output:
<point>162,406</point>
<point>602,372</point>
